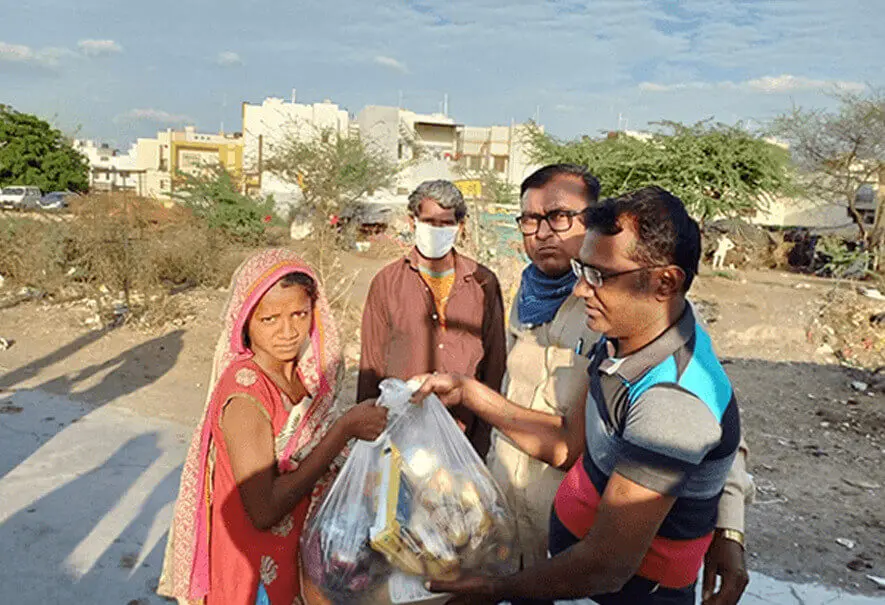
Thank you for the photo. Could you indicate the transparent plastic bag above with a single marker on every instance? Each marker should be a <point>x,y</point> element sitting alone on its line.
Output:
<point>418,500</point>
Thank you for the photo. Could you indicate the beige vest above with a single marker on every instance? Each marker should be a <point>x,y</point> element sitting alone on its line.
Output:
<point>547,372</point>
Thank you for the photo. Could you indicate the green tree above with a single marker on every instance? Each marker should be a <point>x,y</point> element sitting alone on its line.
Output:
<point>34,153</point>
<point>841,151</point>
<point>214,194</point>
<point>332,170</point>
<point>716,169</point>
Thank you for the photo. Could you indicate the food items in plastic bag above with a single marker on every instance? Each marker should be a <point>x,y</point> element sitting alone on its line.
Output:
<point>349,567</point>
<point>418,500</point>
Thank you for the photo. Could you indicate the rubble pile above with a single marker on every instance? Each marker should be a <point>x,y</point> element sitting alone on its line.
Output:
<point>849,326</point>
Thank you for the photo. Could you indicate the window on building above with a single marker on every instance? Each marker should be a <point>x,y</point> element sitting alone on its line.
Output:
<point>399,150</point>
<point>500,163</point>
<point>474,162</point>
<point>162,183</point>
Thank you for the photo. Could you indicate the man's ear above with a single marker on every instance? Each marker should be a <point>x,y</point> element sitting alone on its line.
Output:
<point>461,236</point>
<point>670,283</point>
<point>411,222</point>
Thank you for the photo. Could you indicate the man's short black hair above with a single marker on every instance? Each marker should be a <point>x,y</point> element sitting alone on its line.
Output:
<point>666,234</point>
<point>542,176</point>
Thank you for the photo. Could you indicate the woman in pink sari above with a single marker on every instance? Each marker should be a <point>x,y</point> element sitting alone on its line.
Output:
<point>268,443</point>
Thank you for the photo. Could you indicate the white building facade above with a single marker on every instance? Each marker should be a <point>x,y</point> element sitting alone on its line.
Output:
<point>110,170</point>
<point>265,126</point>
<point>428,146</point>
<point>802,212</point>
<point>435,146</point>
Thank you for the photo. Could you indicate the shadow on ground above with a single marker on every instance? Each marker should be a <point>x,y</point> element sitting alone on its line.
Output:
<point>86,489</point>
<point>123,375</point>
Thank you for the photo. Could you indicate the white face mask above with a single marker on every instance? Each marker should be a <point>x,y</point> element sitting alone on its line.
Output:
<point>434,242</point>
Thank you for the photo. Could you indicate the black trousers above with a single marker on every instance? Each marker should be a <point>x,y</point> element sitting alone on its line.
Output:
<point>637,591</point>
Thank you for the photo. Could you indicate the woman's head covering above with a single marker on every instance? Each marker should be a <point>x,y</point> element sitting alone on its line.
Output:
<point>318,367</point>
<point>185,568</point>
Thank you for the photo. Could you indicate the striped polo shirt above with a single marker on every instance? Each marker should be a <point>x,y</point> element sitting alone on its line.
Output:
<point>664,417</point>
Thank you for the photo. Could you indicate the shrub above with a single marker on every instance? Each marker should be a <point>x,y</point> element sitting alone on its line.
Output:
<point>34,253</point>
<point>187,254</point>
<point>109,235</point>
<point>215,197</point>
<point>124,242</point>
<point>843,259</point>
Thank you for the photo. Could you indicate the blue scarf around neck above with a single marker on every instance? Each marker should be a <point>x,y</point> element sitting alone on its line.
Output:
<point>540,295</point>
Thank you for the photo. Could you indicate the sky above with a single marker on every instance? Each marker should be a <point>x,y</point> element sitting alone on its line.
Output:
<point>113,71</point>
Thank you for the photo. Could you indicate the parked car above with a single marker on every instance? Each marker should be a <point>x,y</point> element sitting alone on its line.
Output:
<point>19,198</point>
<point>57,200</point>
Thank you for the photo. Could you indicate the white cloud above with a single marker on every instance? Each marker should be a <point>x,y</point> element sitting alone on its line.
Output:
<point>229,58</point>
<point>51,57</point>
<point>767,84</point>
<point>788,83</point>
<point>654,87</point>
<point>157,116</point>
<point>98,48</point>
<point>478,54</point>
<point>25,55</point>
<point>15,53</point>
<point>391,63</point>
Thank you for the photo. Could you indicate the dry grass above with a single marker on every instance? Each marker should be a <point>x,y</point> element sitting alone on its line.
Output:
<point>117,250</point>
<point>34,254</point>
<point>321,251</point>
<point>124,252</point>
<point>780,256</point>
<point>844,324</point>
<point>386,247</point>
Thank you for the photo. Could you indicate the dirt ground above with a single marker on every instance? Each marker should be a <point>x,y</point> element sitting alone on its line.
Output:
<point>817,445</point>
<point>817,442</point>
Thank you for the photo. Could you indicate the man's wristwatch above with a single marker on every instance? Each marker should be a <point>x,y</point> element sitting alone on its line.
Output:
<point>732,534</point>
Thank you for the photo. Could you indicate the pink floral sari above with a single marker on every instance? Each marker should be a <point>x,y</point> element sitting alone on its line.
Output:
<point>186,568</point>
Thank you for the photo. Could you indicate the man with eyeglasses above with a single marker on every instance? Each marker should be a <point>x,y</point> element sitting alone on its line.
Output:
<point>649,452</point>
<point>435,310</point>
<point>548,341</point>
<point>548,345</point>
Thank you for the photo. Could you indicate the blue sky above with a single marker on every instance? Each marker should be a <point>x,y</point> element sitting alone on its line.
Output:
<point>118,70</point>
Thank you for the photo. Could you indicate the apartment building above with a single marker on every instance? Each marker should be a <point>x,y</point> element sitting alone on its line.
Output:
<point>111,170</point>
<point>267,124</point>
<point>185,151</point>
<point>430,146</point>
<point>499,149</point>
<point>437,147</point>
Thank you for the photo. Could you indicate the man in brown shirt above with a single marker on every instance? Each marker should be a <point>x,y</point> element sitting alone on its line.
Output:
<point>435,310</point>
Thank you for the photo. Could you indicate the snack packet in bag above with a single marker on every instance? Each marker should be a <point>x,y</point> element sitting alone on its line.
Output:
<point>418,502</point>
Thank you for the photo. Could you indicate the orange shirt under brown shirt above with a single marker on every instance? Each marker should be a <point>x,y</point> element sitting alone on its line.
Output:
<point>402,332</point>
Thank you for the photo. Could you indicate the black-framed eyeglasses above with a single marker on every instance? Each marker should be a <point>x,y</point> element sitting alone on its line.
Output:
<point>596,278</point>
<point>558,221</point>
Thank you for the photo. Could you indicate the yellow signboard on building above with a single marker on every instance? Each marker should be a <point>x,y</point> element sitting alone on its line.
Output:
<point>470,188</point>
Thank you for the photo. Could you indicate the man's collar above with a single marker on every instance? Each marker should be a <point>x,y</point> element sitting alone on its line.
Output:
<point>635,365</point>
<point>464,266</point>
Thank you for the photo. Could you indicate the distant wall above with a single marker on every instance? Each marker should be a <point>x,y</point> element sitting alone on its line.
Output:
<point>803,212</point>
